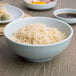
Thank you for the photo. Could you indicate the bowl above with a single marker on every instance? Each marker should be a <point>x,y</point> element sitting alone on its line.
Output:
<point>38,53</point>
<point>15,12</point>
<point>65,10</point>
<point>41,6</point>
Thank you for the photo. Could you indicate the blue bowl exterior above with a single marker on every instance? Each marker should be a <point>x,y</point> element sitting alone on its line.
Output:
<point>38,52</point>
<point>43,52</point>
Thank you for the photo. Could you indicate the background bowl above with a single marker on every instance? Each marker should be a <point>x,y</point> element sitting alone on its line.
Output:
<point>41,6</point>
<point>15,12</point>
<point>65,10</point>
<point>38,53</point>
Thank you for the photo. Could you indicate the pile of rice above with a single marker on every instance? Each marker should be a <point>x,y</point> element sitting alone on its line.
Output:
<point>38,34</point>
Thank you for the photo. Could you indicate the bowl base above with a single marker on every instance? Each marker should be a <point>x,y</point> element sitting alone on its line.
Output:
<point>40,60</point>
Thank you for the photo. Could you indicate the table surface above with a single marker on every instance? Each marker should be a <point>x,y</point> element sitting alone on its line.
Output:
<point>63,65</point>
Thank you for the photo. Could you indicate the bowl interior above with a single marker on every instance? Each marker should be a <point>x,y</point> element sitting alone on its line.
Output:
<point>41,6</point>
<point>65,10</point>
<point>14,11</point>
<point>50,22</point>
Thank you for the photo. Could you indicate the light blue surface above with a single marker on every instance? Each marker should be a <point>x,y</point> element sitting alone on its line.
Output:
<point>41,6</point>
<point>65,10</point>
<point>38,53</point>
<point>15,12</point>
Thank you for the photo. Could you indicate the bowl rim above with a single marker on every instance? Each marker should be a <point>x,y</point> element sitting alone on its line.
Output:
<point>71,9</point>
<point>6,21</point>
<point>40,4</point>
<point>19,43</point>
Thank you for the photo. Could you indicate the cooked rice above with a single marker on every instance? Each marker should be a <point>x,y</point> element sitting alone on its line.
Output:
<point>38,34</point>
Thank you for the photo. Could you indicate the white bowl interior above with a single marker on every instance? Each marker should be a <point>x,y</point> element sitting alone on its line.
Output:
<point>14,11</point>
<point>50,22</point>
<point>65,10</point>
<point>41,6</point>
<point>59,11</point>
